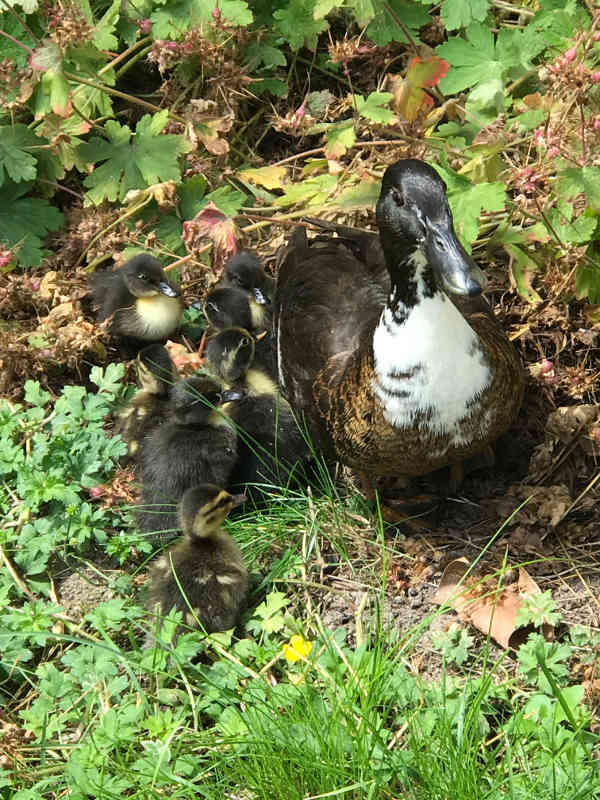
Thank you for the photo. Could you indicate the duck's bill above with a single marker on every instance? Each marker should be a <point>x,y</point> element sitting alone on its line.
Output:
<point>238,499</point>
<point>259,297</point>
<point>232,396</point>
<point>454,268</point>
<point>167,289</point>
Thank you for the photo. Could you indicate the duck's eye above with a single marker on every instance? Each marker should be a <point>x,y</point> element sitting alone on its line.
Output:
<point>142,276</point>
<point>397,197</point>
<point>245,342</point>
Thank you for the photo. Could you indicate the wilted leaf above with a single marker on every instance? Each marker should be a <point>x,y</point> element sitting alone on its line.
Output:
<point>211,223</point>
<point>488,605</point>
<point>409,99</point>
<point>522,269</point>
<point>269,177</point>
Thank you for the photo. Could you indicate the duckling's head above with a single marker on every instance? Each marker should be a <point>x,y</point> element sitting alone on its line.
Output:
<point>155,369</point>
<point>231,353</point>
<point>203,509</point>
<point>414,218</point>
<point>245,271</point>
<point>144,277</point>
<point>228,307</point>
<point>194,400</point>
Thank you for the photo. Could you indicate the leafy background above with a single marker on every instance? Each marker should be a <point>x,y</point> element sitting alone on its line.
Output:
<point>182,127</point>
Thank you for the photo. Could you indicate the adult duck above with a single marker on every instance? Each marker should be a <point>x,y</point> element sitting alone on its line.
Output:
<point>399,371</point>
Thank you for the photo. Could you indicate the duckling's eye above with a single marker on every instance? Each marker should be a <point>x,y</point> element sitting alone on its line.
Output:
<point>245,342</point>
<point>142,276</point>
<point>398,198</point>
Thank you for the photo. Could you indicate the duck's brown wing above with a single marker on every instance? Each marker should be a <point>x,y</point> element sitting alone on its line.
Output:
<point>325,302</point>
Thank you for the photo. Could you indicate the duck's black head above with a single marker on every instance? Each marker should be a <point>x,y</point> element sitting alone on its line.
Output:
<point>245,271</point>
<point>144,277</point>
<point>231,353</point>
<point>228,307</point>
<point>203,509</point>
<point>194,400</point>
<point>413,216</point>
<point>155,369</point>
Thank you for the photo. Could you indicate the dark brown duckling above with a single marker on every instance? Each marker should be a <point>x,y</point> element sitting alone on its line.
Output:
<point>203,574</point>
<point>145,306</point>
<point>228,306</point>
<point>395,376</point>
<point>271,447</point>
<point>236,357</point>
<point>149,407</point>
<point>245,271</point>
<point>196,445</point>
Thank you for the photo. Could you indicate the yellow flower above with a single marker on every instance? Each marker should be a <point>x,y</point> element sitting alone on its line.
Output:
<point>297,648</point>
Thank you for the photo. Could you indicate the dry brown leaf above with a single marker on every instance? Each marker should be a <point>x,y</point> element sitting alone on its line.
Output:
<point>487,605</point>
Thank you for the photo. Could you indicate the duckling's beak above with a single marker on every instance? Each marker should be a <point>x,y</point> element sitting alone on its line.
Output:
<point>455,270</point>
<point>259,297</point>
<point>166,288</point>
<point>232,396</point>
<point>238,499</point>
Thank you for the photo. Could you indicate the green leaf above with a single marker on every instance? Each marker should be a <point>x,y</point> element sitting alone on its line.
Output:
<point>574,181</point>
<point>227,200</point>
<point>473,60</point>
<point>373,107</point>
<point>15,162</point>
<point>297,24</point>
<point>522,269</point>
<point>461,13</point>
<point>25,221</point>
<point>384,29</point>
<point>576,231</point>
<point>191,196</point>
<point>132,161</point>
<point>340,136</point>
<point>468,200</point>
<point>312,191</point>
<point>28,6</point>
<point>175,18</point>
<point>587,277</point>
<point>103,35</point>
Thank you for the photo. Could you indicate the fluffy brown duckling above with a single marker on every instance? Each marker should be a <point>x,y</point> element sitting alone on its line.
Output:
<point>271,447</point>
<point>196,445</point>
<point>203,574</point>
<point>245,271</point>
<point>149,407</point>
<point>145,306</point>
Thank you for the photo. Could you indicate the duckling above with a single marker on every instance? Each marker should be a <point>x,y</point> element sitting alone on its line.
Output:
<point>197,445</point>
<point>271,447</point>
<point>148,409</point>
<point>236,357</point>
<point>245,271</point>
<point>144,305</point>
<point>228,306</point>
<point>395,376</point>
<point>203,574</point>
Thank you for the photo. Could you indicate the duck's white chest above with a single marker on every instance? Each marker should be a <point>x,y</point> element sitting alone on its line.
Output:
<point>429,369</point>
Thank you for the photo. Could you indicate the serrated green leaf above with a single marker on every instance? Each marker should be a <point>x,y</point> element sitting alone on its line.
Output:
<point>461,13</point>
<point>574,181</point>
<point>340,136</point>
<point>191,196</point>
<point>384,29</point>
<point>24,221</point>
<point>103,36</point>
<point>274,85</point>
<point>28,6</point>
<point>468,200</point>
<point>562,224</point>
<point>131,161</point>
<point>297,24</point>
<point>363,195</point>
<point>15,162</point>
<point>373,107</point>
<point>175,18</point>
<point>227,199</point>
<point>258,53</point>
<point>323,7</point>
<point>312,191</point>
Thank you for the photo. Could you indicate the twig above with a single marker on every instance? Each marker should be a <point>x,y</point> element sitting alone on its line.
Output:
<point>15,575</point>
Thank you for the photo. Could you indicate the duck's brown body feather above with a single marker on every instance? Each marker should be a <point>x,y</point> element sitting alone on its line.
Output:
<point>327,365</point>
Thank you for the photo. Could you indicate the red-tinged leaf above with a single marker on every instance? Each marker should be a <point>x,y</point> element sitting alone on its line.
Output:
<point>427,72</point>
<point>211,223</point>
<point>47,56</point>
<point>410,101</point>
